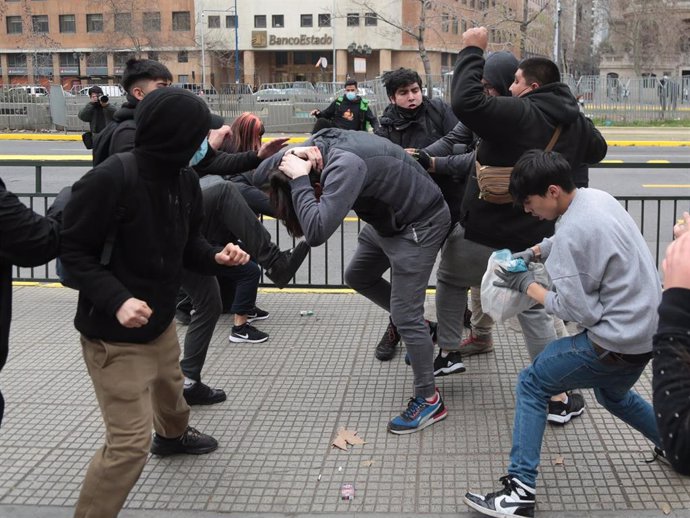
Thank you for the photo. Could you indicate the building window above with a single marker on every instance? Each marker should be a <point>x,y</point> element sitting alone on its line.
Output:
<point>214,22</point>
<point>231,22</point>
<point>183,78</point>
<point>182,57</point>
<point>464,25</point>
<point>14,24</point>
<point>300,58</point>
<point>306,20</point>
<point>445,22</point>
<point>69,59</point>
<point>371,19</point>
<point>120,59</point>
<point>278,21</point>
<point>16,60</point>
<point>455,24</point>
<point>152,22</point>
<point>181,21</point>
<point>123,22</point>
<point>353,19</point>
<point>152,54</point>
<point>260,21</point>
<point>281,58</point>
<point>94,23</point>
<point>324,20</point>
<point>40,23</point>
<point>68,23</point>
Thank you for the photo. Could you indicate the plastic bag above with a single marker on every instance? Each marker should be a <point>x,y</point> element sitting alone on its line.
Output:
<point>504,303</point>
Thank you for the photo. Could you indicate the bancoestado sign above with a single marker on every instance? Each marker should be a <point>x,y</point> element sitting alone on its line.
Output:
<point>260,39</point>
<point>303,39</point>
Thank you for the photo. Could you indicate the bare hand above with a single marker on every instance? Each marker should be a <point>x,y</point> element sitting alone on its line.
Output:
<point>217,136</point>
<point>411,150</point>
<point>682,226</point>
<point>272,147</point>
<point>232,255</point>
<point>314,113</point>
<point>476,37</point>
<point>133,313</point>
<point>293,166</point>
<point>676,265</point>
<point>311,153</point>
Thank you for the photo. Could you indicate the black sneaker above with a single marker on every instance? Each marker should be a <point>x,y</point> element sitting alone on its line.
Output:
<point>561,413</point>
<point>385,350</point>
<point>247,333</point>
<point>467,319</point>
<point>515,499</point>
<point>257,314</point>
<point>287,264</point>
<point>201,394</point>
<point>451,364</point>
<point>191,442</point>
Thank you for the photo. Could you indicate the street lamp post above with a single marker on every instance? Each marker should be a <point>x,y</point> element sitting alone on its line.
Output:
<point>203,55</point>
<point>237,46</point>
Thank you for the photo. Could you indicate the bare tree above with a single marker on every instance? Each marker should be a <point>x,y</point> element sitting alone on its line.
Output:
<point>644,31</point>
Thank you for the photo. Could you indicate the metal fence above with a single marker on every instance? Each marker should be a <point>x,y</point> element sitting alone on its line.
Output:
<point>285,107</point>
<point>325,266</point>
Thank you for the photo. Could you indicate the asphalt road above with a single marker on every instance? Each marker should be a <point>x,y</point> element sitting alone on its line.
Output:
<point>619,182</point>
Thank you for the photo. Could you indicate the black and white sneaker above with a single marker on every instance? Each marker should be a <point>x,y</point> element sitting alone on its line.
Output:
<point>247,333</point>
<point>561,413</point>
<point>515,499</point>
<point>451,364</point>
<point>257,314</point>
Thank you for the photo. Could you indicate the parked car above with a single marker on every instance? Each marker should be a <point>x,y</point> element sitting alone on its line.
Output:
<point>32,90</point>
<point>299,91</point>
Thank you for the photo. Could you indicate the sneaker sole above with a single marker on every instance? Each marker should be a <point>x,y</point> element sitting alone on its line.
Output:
<point>485,510</point>
<point>467,351</point>
<point>433,419</point>
<point>203,402</point>
<point>562,419</point>
<point>168,453</point>
<point>255,319</point>
<point>246,340</point>
<point>455,368</point>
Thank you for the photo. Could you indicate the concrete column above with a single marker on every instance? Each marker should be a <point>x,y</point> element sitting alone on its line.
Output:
<point>3,64</point>
<point>110,60</point>
<point>30,68</point>
<point>341,65</point>
<point>56,69</point>
<point>248,66</point>
<point>385,60</point>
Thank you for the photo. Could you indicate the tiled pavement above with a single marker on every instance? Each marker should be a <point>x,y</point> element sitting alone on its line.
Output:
<point>287,399</point>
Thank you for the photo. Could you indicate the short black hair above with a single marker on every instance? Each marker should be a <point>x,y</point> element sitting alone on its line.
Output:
<point>535,170</point>
<point>96,90</point>
<point>542,71</point>
<point>351,82</point>
<point>137,69</point>
<point>399,78</point>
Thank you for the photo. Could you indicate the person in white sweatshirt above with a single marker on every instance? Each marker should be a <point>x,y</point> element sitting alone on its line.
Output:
<point>604,278</point>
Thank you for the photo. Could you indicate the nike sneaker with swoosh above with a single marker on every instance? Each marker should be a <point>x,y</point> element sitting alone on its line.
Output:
<point>247,333</point>
<point>515,499</point>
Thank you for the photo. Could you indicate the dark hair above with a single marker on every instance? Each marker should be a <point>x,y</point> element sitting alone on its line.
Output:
<point>321,124</point>
<point>138,69</point>
<point>535,170</point>
<point>351,82</point>
<point>399,78</point>
<point>280,196</point>
<point>539,70</point>
<point>95,90</point>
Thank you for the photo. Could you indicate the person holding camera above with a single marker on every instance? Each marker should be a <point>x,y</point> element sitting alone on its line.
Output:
<point>98,112</point>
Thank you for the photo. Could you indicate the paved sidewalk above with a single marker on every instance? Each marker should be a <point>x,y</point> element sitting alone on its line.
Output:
<point>287,399</point>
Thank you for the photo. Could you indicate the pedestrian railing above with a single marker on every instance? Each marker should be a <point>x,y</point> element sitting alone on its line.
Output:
<point>325,266</point>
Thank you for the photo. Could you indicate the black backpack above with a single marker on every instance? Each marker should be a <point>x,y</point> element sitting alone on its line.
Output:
<point>102,141</point>
<point>130,172</point>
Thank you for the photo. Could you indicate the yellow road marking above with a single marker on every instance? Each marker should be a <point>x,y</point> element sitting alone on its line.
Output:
<point>658,162</point>
<point>611,161</point>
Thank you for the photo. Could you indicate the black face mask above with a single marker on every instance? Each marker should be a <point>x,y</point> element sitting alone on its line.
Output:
<point>406,113</point>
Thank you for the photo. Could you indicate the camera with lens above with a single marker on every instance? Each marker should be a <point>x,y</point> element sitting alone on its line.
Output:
<point>104,99</point>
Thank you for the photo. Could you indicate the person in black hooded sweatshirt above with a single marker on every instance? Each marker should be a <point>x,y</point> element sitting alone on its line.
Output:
<point>125,310</point>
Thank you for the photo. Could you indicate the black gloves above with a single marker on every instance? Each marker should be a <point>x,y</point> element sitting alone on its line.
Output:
<point>518,281</point>
<point>423,158</point>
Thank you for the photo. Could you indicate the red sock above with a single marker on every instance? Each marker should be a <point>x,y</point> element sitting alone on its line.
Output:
<point>434,400</point>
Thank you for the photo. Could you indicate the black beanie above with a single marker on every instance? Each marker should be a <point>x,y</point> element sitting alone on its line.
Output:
<point>499,71</point>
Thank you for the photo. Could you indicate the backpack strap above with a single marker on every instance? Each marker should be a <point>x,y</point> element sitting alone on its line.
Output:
<point>129,173</point>
<point>554,138</point>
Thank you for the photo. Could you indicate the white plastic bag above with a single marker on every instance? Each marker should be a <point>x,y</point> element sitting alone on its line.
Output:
<point>504,303</point>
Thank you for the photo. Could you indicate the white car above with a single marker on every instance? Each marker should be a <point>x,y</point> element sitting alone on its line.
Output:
<point>33,90</point>
<point>109,90</point>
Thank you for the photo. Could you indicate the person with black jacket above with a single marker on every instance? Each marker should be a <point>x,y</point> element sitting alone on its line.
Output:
<point>412,121</point>
<point>314,187</point>
<point>27,239</point>
<point>98,112</point>
<point>125,309</point>
<point>671,360</point>
<point>348,111</point>
<point>507,127</point>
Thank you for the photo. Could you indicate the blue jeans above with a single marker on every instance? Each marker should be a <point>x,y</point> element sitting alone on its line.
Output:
<point>566,364</point>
